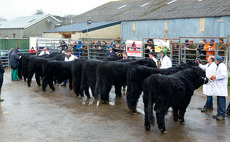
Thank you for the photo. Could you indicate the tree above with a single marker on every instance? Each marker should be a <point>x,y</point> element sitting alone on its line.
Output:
<point>39,12</point>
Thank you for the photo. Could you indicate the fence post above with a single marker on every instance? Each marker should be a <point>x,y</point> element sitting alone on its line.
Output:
<point>179,51</point>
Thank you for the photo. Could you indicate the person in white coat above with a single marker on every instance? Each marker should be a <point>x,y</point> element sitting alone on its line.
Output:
<point>220,87</point>
<point>44,52</point>
<point>68,57</point>
<point>210,70</point>
<point>165,61</point>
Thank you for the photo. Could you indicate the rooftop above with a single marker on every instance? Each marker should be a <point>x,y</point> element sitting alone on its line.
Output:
<point>24,22</point>
<point>126,10</point>
<point>82,27</point>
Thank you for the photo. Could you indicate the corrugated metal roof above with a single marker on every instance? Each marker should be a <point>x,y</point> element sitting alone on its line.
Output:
<point>24,22</point>
<point>82,27</point>
<point>156,9</point>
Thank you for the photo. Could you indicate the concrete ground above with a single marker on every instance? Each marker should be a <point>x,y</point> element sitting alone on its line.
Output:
<point>30,115</point>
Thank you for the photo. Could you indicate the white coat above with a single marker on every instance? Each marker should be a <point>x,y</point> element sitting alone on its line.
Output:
<point>221,81</point>
<point>42,53</point>
<point>71,58</point>
<point>165,62</point>
<point>210,70</point>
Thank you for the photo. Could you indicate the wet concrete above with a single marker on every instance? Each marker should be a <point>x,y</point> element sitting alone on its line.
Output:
<point>29,115</point>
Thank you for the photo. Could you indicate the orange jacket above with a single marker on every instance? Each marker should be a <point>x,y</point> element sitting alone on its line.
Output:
<point>208,48</point>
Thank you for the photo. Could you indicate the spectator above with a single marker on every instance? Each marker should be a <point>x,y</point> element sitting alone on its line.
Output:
<point>123,46</point>
<point>44,52</point>
<point>125,55</point>
<point>205,41</point>
<point>210,70</point>
<point>210,47</point>
<point>151,56</point>
<point>222,46</point>
<point>200,47</point>
<point>68,57</point>
<point>11,51</point>
<point>186,43</point>
<point>220,87</point>
<point>165,61</point>
<point>191,45</point>
<point>74,47</point>
<point>1,79</point>
<point>32,50</point>
<point>14,62</point>
<point>110,45</point>
<point>149,46</point>
<point>110,52</point>
<point>79,47</point>
<point>63,45</point>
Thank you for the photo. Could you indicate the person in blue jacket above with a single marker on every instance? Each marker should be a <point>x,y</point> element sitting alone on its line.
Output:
<point>79,48</point>
<point>14,62</point>
<point>110,45</point>
<point>110,52</point>
<point>1,79</point>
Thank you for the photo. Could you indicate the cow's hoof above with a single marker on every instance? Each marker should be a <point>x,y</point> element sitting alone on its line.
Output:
<point>182,122</point>
<point>147,128</point>
<point>104,101</point>
<point>39,85</point>
<point>175,119</point>
<point>163,131</point>
<point>29,85</point>
<point>118,95</point>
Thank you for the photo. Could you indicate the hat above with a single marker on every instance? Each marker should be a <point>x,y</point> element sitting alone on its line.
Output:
<point>186,40</point>
<point>212,41</point>
<point>151,53</point>
<point>219,58</point>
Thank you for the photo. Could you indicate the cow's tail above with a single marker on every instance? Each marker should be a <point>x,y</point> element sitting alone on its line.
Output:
<point>83,82</point>
<point>98,84</point>
<point>151,100</point>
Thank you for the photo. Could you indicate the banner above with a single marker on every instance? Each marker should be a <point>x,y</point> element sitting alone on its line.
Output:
<point>134,48</point>
<point>160,44</point>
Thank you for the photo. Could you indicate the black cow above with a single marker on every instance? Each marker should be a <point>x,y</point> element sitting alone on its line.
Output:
<point>77,75</point>
<point>136,76</point>
<point>35,66</point>
<point>115,73</point>
<point>56,70</point>
<point>89,73</point>
<point>20,68</point>
<point>173,91</point>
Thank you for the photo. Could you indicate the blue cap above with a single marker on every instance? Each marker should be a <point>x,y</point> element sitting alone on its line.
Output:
<point>219,58</point>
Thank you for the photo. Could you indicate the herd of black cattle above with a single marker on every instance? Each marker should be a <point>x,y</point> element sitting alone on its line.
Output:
<point>165,88</point>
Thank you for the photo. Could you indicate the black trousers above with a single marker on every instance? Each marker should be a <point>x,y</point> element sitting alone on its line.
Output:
<point>1,81</point>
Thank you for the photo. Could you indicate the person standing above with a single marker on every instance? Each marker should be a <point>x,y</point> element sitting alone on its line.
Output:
<point>1,79</point>
<point>165,61</point>
<point>44,52</point>
<point>32,50</point>
<point>14,62</point>
<point>210,70</point>
<point>151,56</point>
<point>220,87</point>
<point>110,52</point>
<point>68,57</point>
<point>125,55</point>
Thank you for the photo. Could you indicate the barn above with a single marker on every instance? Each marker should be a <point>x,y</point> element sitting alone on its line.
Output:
<point>164,18</point>
<point>29,26</point>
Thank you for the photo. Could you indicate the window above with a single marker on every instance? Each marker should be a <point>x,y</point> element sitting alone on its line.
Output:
<point>66,35</point>
<point>14,35</point>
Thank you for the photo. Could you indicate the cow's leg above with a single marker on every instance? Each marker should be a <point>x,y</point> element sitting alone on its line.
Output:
<point>37,76</point>
<point>182,110</point>
<point>29,79</point>
<point>160,112</point>
<point>123,90</point>
<point>118,91</point>
<point>105,89</point>
<point>135,94</point>
<point>175,113</point>
<point>44,84</point>
<point>148,108</point>
<point>70,83</point>
<point>51,84</point>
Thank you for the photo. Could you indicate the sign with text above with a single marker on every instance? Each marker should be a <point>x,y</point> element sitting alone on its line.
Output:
<point>134,48</point>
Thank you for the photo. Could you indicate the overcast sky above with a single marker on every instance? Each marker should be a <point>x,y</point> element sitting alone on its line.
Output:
<point>11,9</point>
